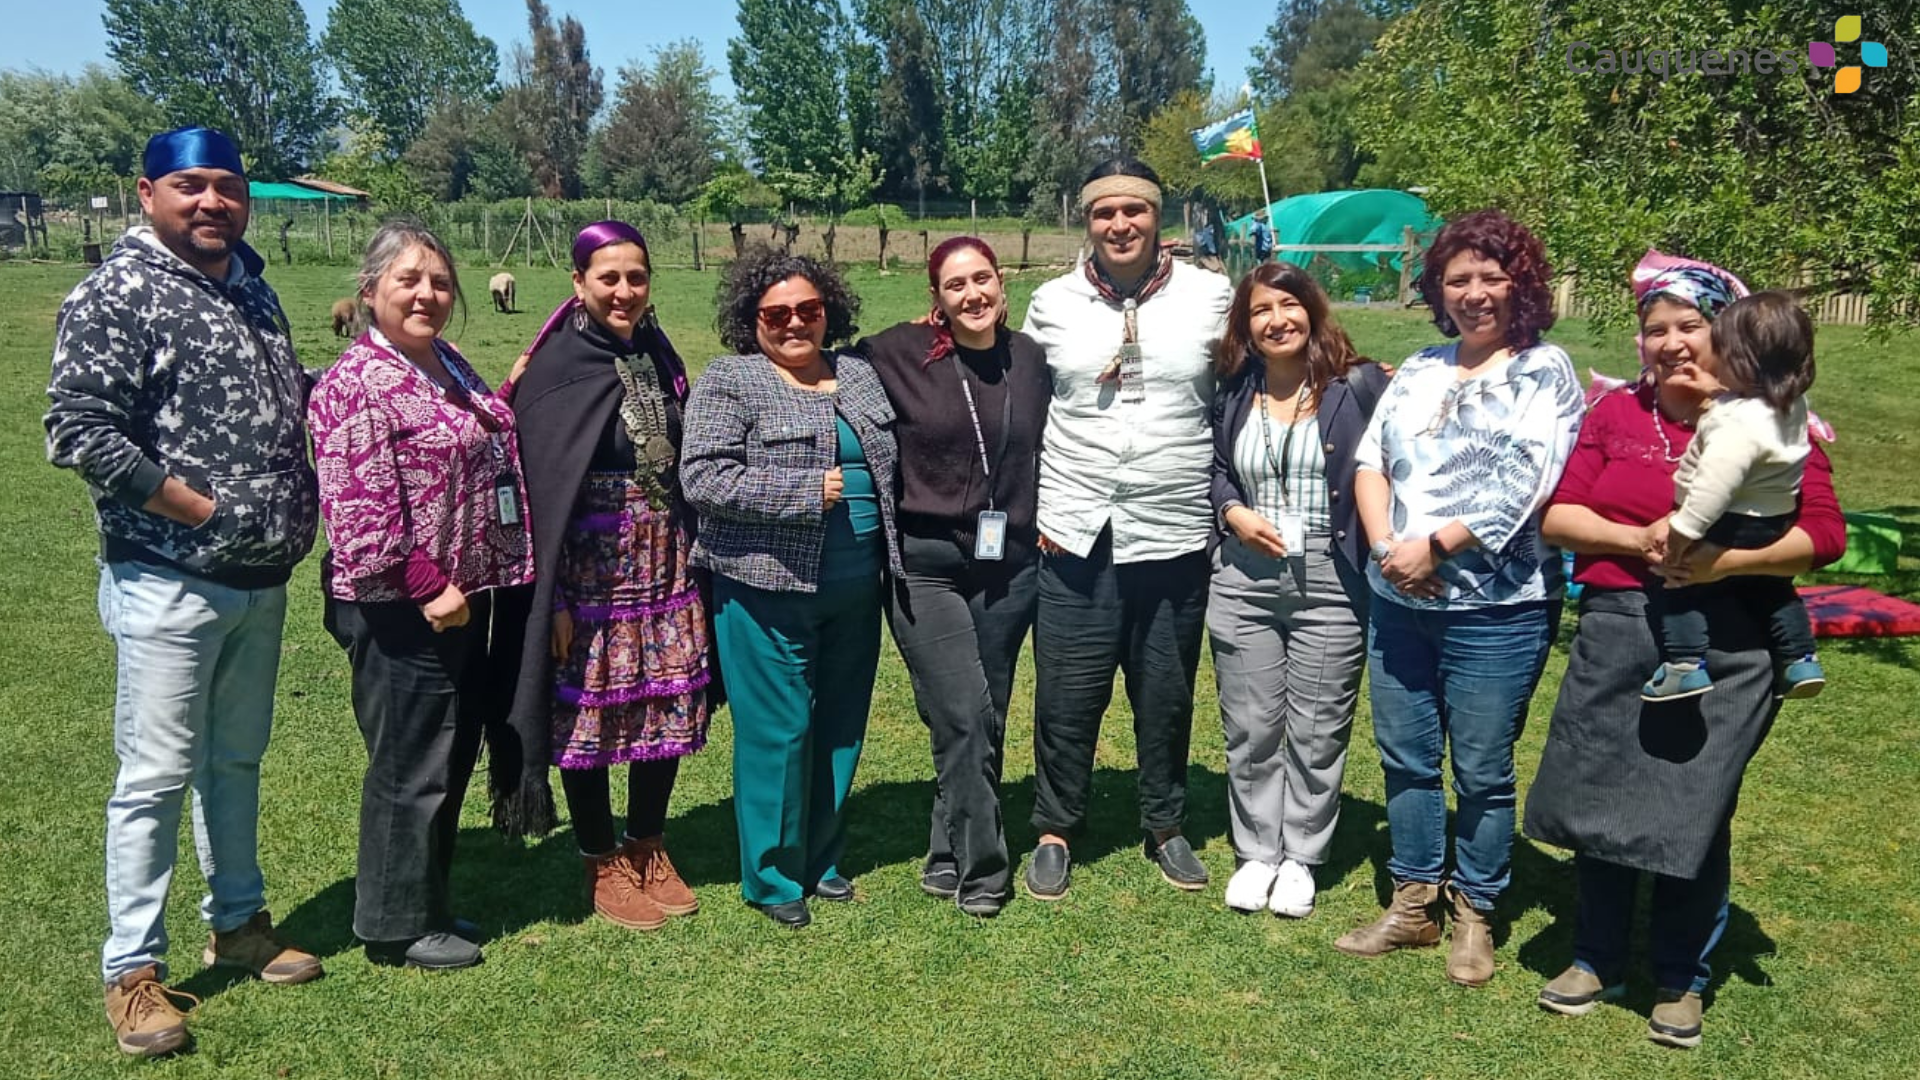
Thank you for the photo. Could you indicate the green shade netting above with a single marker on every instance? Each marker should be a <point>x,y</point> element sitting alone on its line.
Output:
<point>1367,216</point>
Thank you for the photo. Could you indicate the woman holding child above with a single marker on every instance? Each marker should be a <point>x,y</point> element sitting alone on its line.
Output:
<point>1632,785</point>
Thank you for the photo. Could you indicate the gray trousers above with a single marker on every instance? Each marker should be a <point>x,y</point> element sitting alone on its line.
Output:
<point>1289,644</point>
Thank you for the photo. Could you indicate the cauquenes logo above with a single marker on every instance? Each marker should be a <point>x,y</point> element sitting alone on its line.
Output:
<point>1846,78</point>
<point>1583,58</point>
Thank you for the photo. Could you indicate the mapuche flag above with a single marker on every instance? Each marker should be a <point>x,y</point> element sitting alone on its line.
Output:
<point>1234,137</point>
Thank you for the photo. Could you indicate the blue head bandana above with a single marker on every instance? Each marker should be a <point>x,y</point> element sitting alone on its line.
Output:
<point>190,148</point>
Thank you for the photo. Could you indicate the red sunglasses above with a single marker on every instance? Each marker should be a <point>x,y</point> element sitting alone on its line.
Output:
<point>779,316</point>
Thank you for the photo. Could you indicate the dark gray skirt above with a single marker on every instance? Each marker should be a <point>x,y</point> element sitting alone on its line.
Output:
<point>1644,785</point>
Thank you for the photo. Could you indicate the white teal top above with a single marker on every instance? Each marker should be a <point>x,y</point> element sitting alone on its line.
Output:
<point>1485,451</point>
<point>1265,450</point>
<point>1140,464</point>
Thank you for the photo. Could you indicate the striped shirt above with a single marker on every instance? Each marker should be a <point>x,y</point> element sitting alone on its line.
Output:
<point>1264,449</point>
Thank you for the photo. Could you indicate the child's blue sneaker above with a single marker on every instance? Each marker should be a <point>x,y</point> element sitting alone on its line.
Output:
<point>1676,680</point>
<point>1804,678</point>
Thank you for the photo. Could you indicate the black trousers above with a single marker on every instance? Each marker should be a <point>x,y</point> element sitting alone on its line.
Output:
<point>421,701</point>
<point>959,624</point>
<point>1146,619</point>
<point>589,795</point>
<point>1764,598</point>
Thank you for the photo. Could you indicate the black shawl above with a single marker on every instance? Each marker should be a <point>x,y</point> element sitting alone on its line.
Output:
<point>568,395</point>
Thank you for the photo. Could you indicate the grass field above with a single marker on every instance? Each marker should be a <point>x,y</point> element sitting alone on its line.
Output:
<point>1125,978</point>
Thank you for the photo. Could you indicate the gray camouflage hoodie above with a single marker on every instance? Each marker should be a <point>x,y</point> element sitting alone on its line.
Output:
<point>159,370</point>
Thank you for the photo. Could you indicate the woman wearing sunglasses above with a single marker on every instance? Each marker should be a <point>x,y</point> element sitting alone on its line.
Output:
<point>789,458</point>
<point>1462,452</point>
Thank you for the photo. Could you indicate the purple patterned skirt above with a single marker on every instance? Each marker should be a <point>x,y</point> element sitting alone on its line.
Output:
<point>633,687</point>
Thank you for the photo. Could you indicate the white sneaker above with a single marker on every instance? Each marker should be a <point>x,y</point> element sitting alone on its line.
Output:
<point>1247,889</point>
<point>1292,890</point>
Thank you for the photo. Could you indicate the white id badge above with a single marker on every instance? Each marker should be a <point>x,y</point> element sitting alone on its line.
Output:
<point>506,496</point>
<point>990,539</point>
<point>1293,533</point>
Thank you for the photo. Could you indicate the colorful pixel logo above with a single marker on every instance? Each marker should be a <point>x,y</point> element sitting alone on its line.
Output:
<point>1847,79</point>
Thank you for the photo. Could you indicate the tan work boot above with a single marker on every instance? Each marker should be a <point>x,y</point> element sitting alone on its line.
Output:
<point>657,875</point>
<point>618,893</point>
<point>145,1020</point>
<point>1470,957</point>
<point>253,946</point>
<point>1408,923</point>
<point>1676,1019</point>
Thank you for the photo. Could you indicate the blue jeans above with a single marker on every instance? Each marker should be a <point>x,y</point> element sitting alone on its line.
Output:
<point>1685,922</point>
<point>1459,678</point>
<point>193,706</point>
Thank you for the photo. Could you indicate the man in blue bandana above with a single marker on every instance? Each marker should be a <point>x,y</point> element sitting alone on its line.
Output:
<point>177,397</point>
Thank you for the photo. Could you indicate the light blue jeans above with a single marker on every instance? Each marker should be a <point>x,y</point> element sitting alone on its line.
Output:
<point>193,706</point>
<point>1453,685</point>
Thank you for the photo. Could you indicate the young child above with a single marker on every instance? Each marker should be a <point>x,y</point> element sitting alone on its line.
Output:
<point>1737,487</point>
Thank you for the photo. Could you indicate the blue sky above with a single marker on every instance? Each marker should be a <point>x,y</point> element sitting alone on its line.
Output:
<point>618,31</point>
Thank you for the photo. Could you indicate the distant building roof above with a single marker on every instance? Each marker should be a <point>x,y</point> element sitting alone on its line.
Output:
<point>330,187</point>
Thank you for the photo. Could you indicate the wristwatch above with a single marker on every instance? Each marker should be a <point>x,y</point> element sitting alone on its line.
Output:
<point>1380,550</point>
<point>1438,549</point>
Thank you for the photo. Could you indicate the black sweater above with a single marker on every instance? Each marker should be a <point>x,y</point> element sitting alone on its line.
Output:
<point>942,484</point>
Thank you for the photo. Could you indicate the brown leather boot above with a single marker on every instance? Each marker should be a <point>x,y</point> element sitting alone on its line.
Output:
<point>145,1020</point>
<point>619,896</point>
<point>657,875</point>
<point>1470,957</point>
<point>1408,923</point>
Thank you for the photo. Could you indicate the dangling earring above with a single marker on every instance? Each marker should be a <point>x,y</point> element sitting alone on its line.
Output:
<point>938,316</point>
<point>649,320</point>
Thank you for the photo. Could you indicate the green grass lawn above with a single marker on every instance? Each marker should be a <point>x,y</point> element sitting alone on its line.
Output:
<point>1125,978</point>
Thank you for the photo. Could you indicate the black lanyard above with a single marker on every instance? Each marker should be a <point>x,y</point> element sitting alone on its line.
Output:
<point>979,437</point>
<point>1286,445</point>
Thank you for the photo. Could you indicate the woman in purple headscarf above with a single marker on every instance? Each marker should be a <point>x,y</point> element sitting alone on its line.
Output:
<point>615,667</point>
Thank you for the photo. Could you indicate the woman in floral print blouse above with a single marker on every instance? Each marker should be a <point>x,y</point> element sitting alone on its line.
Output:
<point>1466,444</point>
<point>425,511</point>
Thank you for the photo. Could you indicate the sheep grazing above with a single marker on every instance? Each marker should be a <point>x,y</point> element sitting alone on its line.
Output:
<point>346,317</point>
<point>501,286</point>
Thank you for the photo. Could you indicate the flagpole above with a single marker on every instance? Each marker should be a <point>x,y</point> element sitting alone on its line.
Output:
<point>1265,195</point>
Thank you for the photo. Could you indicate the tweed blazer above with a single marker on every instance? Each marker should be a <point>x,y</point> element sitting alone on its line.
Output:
<point>1345,407</point>
<point>753,457</point>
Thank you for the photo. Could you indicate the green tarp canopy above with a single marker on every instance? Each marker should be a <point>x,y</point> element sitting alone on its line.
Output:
<point>1367,216</point>
<point>266,189</point>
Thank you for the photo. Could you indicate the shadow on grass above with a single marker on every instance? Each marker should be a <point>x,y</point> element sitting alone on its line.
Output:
<point>506,887</point>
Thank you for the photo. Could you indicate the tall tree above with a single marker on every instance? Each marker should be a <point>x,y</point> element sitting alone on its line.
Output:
<point>1769,172</point>
<point>396,58</point>
<point>71,137</point>
<point>662,137</point>
<point>985,54</point>
<point>908,110</point>
<point>789,78</point>
<point>247,67</point>
<point>1157,50</point>
<point>471,148</point>
<point>558,92</point>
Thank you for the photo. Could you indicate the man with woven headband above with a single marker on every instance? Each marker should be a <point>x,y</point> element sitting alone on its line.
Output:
<point>1124,517</point>
<point>176,395</point>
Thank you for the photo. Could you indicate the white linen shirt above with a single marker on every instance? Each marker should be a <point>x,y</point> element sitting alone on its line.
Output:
<point>1143,468</point>
<point>1746,458</point>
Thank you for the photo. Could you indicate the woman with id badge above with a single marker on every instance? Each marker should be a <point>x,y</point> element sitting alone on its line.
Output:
<point>1288,609</point>
<point>420,485</point>
<point>971,399</point>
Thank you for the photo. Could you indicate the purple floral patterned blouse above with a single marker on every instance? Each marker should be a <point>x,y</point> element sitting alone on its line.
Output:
<point>409,474</point>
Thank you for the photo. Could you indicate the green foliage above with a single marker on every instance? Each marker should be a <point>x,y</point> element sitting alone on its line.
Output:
<point>396,58</point>
<point>365,162</point>
<point>662,135</point>
<point>69,138</point>
<point>1771,174</point>
<point>246,67</point>
<point>552,105</point>
<point>473,149</point>
<point>790,76</point>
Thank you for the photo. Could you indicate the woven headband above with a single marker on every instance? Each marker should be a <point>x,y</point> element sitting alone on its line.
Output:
<point>1107,186</point>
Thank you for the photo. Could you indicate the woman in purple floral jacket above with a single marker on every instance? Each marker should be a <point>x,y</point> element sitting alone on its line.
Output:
<point>425,512</point>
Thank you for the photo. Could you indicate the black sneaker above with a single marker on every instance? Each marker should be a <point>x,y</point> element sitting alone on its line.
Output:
<point>984,906</point>
<point>1177,863</point>
<point>1049,869</point>
<point>440,951</point>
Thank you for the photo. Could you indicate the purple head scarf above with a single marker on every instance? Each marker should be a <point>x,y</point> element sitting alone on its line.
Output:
<point>648,337</point>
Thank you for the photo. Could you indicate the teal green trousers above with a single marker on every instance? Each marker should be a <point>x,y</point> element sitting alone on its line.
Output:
<point>799,671</point>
